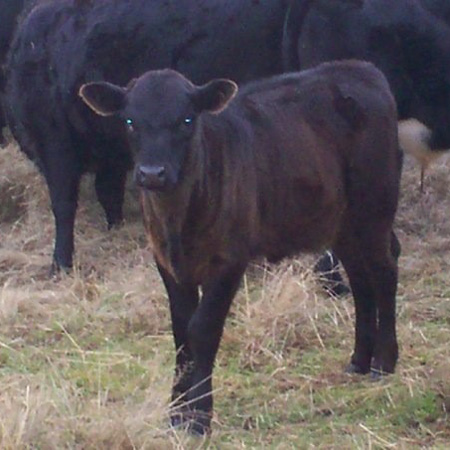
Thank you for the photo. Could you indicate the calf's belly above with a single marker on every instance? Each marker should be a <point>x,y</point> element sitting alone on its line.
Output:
<point>307,233</point>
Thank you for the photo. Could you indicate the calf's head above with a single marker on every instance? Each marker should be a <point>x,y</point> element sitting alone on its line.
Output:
<point>161,111</point>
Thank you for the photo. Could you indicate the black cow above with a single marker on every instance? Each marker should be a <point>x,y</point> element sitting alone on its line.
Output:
<point>9,12</point>
<point>292,163</point>
<point>403,39</point>
<point>64,43</point>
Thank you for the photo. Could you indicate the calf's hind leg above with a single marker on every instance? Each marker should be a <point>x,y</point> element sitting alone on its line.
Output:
<point>372,270</point>
<point>328,269</point>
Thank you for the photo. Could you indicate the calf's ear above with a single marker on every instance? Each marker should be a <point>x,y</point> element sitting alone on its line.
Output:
<point>104,98</point>
<point>215,95</point>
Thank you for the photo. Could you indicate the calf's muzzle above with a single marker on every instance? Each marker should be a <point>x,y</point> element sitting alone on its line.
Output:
<point>150,177</point>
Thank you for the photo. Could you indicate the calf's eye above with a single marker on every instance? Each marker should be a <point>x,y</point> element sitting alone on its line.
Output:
<point>129,123</point>
<point>188,121</point>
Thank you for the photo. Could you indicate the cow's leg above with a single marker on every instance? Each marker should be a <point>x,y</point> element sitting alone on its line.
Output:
<point>372,271</point>
<point>328,269</point>
<point>183,300</point>
<point>205,332</point>
<point>110,182</point>
<point>63,172</point>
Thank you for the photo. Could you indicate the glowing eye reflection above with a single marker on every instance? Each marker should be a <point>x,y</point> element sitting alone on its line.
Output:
<point>188,121</point>
<point>129,123</point>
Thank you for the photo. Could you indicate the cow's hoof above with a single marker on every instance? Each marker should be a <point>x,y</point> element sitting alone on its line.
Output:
<point>354,368</point>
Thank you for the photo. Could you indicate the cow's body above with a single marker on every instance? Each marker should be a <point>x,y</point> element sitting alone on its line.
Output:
<point>9,13</point>
<point>295,163</point>
<point>64,43</point>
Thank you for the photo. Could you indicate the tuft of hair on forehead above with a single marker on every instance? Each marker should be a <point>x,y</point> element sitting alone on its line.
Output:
<point>159,86</point>
<point>164,77</point>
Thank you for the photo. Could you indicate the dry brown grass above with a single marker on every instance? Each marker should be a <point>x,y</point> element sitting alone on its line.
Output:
<point>86,359</point>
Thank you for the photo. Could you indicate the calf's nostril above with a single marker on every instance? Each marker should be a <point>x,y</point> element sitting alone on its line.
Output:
<point>161,174</point>
<point>141,176</point>
<point>154,176</point>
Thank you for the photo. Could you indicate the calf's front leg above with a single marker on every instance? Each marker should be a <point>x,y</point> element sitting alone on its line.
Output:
<point>204,333</point>
<point>183,300</point>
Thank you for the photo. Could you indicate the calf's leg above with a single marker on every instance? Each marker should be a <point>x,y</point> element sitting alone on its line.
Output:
<point>385,272</point>
<point>365,312</point>
<point>328,269</point>
<point>183,300</point>
<point>204,334</point>
<point>372,271</point>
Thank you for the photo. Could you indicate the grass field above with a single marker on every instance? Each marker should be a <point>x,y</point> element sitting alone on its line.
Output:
<point>86,359</point>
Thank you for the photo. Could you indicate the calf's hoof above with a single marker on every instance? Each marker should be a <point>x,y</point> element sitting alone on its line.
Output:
<point>378,372</point>
<point>354,368</point>
<point>195,423</point>
<point>377,375</point>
